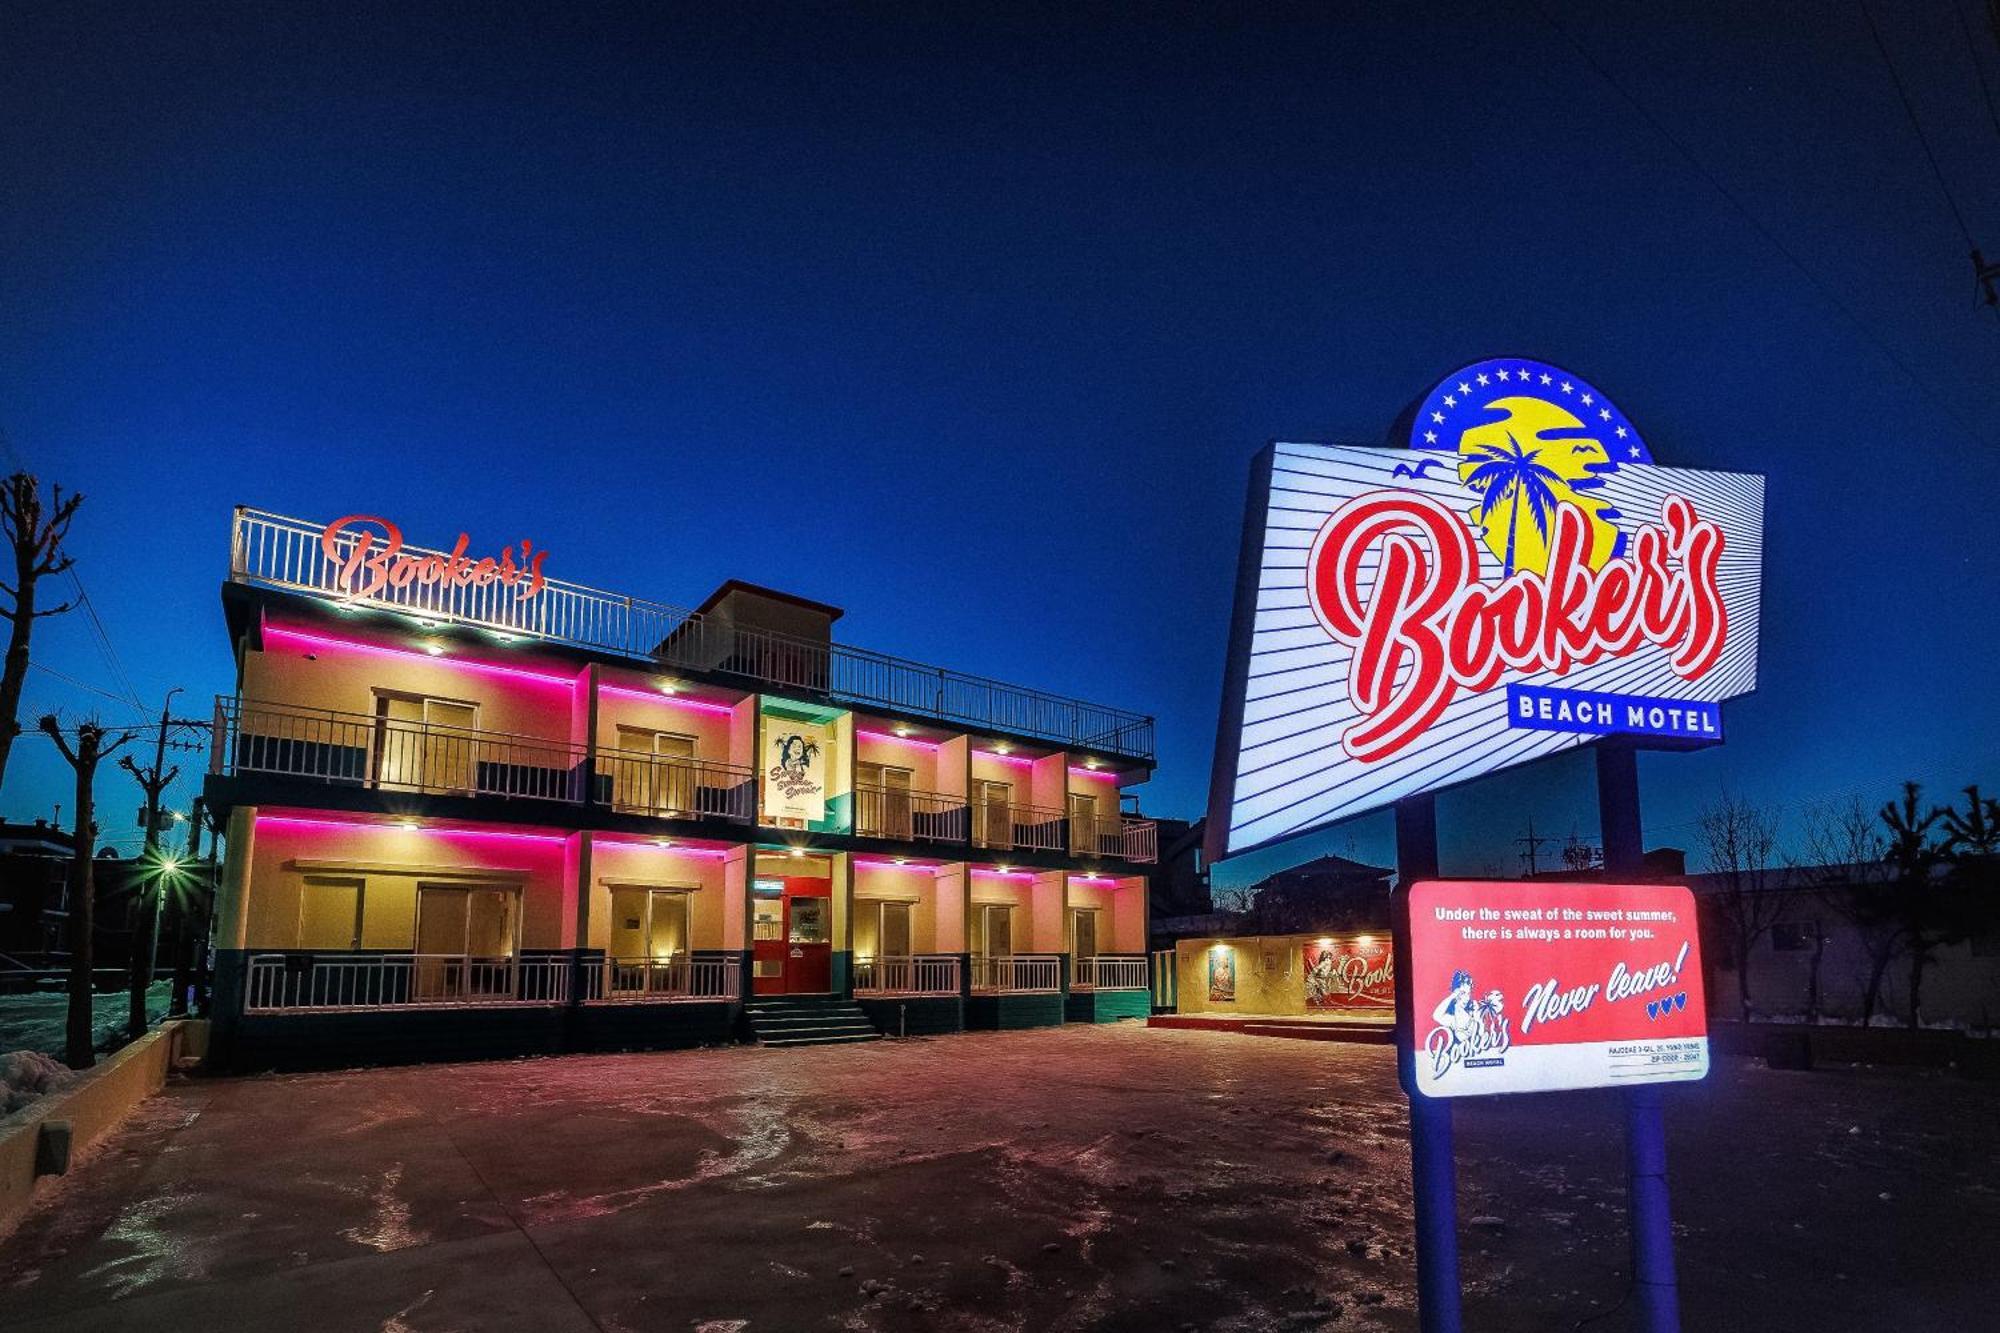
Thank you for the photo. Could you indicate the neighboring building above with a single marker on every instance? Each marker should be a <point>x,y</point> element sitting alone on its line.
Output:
<point>1818,916</point>
<point>34,891</point>
<point>470,812</point>
<point>1328,894</point>
<point>1180,882</point>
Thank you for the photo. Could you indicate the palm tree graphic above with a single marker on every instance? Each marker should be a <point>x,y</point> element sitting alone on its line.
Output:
<point>1505,474</point>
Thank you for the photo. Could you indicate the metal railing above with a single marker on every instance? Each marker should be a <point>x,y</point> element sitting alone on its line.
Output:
<point>679,977</point>
<point>1109,972</point>
<point>273,551</point>
<point>288,982</point>
<point>909,816</point>
<point>1121,836</point>
<point>1017,973</point>
<point>355,749</point>
<point>919,974</point>
<point>1005,827</point>
<point>675,788</point>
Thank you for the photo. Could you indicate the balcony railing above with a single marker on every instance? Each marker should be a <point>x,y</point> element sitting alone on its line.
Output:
<point>1020,973</point>
<point>1121,836</point>
<point>680,977</point>
<point>1006,827</point>
<point>909,816</point>
<point>920,974</point>
<point>270,550</point>
<point>675,788</point>
<point>1109,972</point>
<point>359,750</point>
<point>293,982</point>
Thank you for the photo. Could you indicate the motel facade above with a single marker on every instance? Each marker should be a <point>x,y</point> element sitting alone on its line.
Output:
<point>475,810</point>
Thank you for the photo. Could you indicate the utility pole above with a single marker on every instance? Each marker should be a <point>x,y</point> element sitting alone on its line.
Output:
<point>177,1003</point>
<point>146,926</point>
<point>1533,845</point>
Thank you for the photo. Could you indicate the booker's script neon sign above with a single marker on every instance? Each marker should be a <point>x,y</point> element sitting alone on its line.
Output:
<point>1396,575</point>
<point>367,562</point>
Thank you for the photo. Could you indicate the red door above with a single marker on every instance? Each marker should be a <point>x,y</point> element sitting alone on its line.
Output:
<point>792,939</point>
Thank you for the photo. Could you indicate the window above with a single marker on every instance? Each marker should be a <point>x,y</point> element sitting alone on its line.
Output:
<point>330,915</point>
<point>648,923</point>
<point>465,940</point>
<point>1793,936</point>
<point>992,814</point>
<point>883,795</point>
<point>1083,932</point>
<point>1083,824</point>
<point>882,928</point>
<point>993,930</point>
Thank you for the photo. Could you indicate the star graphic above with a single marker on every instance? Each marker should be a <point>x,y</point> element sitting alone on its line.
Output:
<point>1588,400</point>
<point>1450,401</point>
<point>1566,386</point>
<point>1438,417</point>
<point>1634,451</point>
<point>1545,378</point>
<point>1482,379</point>
<point>1621,432</point>
<point>1604,414</point>
<point>1463,387</point>
<point>1503,376</point>
<point>1430,437</point>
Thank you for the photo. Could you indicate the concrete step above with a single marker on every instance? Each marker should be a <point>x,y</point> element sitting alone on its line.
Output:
<point>844,1039</point>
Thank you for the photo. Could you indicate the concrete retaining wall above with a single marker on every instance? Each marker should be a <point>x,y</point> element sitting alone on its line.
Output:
<point>94,1105</point>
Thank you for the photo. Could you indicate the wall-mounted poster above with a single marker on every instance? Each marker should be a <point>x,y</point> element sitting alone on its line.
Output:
<point>1221,975</point>
<point>1350,974</point>
<point>795,770</point>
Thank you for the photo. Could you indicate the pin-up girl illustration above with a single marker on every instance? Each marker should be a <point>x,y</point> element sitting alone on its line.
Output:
<point>1466,1025</point>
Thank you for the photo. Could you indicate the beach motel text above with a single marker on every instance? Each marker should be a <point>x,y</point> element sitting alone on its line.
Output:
<point>476,810</point>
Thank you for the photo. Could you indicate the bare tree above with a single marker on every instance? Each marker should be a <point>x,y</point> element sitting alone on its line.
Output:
<point>1740,840</point>
<point>1919,906</point>
<point>93,745</point>
<point>35,533</point>
<point>1841,868</point>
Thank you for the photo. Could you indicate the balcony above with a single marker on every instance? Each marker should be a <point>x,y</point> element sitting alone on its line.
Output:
<point>1006,828</point>
<point>1017,974</point>
<point>307,982</point>
<point>384,754</point>
<point>1119,836</point>
<point>1109,972</point>
<point>908,816</point>
<point>679,977</point>
<point>287,554</point>
<point>920,974</point>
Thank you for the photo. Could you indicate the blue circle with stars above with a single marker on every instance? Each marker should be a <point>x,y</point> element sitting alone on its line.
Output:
<point>1468,396</point>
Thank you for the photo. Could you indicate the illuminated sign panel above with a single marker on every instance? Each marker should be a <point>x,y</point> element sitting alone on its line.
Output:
<point>1521,580</point>
<point>1539,986</point>
<point>366,556</point>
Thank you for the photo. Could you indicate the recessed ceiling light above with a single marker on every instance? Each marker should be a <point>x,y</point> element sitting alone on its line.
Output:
<point>434,649</point>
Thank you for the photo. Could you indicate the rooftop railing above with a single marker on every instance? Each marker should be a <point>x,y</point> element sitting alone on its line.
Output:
<point>273,551</point>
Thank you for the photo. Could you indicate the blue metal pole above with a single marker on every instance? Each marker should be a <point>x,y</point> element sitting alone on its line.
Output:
<point>1652,1219</point>
<point>1434,1185</point>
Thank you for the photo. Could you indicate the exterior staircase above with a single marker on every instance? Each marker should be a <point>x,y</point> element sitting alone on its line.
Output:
<point>808,1020</point>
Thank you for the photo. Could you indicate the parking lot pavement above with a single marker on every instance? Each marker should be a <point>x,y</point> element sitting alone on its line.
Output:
<point>1111,1178</point>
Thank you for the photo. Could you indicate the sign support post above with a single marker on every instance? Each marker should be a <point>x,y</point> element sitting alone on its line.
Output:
<point>1645,1122</point>
<point>1433,1170</point>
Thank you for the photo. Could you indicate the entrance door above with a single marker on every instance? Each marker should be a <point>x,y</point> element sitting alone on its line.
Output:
<point>992,814</point>
<point>792,938</point>
<point>1082,825</point>
<point>884,796</point>
<point>654,772</point>
<point>425,744</point>
<point>465,942</point>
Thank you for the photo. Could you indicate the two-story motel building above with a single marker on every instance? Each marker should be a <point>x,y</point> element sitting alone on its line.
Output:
<point>477,811</point>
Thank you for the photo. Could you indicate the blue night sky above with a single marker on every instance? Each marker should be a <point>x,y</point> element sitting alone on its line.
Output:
<point>971,325</point>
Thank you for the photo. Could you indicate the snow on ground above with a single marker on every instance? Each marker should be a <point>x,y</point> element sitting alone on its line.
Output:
<point>1117,1179</point>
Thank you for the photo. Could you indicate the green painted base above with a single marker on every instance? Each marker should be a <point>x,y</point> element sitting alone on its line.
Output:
<point>1106,1006</point>
<point>1008,1012</point>
<point>916,1016</point>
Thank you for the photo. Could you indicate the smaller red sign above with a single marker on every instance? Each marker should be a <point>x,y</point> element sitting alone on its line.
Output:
<point>1519,986</point>
<point>1356,973</point>
<point>366,563</point>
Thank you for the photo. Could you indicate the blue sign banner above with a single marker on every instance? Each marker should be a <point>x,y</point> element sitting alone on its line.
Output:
<point>1546,708</point>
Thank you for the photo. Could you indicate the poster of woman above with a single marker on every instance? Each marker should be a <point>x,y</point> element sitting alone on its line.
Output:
<point>1350,974</point>
<point>1221,974</point>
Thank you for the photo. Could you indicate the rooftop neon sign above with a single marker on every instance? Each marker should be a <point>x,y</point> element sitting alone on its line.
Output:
<point>367,562</point>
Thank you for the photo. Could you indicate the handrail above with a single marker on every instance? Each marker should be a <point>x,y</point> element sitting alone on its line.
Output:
<point>1123,836</point>
<point>1020,973</point>
<point>679,977</point>
<point>1004,827</point>
<point>286,982</point>
<point>923,816</point>
<point>1109,972</point>
<point>907,974</point>
<point>275,551</point>
<point>670,786</point>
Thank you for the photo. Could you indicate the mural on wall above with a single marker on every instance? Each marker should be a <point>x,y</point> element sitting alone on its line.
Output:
<point>795,758</point>
<point>1350,974</point>
<point>1221,975</point>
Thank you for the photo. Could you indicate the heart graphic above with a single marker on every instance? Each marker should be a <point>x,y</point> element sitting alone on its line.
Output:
<point>1652,1008</point>
<point>1681,1000</point>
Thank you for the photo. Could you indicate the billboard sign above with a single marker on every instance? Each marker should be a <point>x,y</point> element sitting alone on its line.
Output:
<point>1539,986</point>
<point>1519,578</point>
<point>1354,973</point>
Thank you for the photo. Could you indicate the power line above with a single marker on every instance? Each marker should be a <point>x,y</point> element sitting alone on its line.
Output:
<point>119,699</point>
<point>1775,241</point>
<point>1910,110</point>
